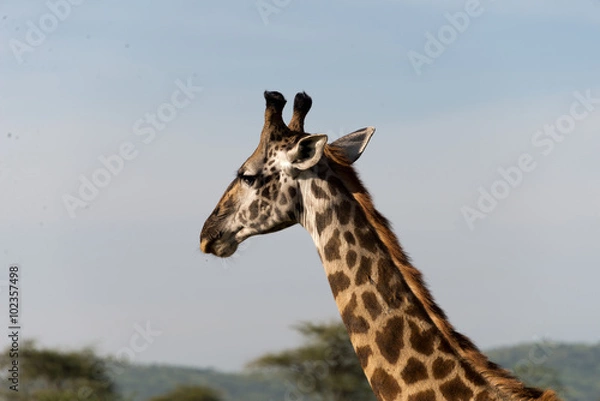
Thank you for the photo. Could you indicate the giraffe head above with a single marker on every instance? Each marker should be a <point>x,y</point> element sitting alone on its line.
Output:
<point>266,196</point>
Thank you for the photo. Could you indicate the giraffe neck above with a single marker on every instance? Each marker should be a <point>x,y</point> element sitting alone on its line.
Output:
<point>402,353</point>
<point>406,346</point>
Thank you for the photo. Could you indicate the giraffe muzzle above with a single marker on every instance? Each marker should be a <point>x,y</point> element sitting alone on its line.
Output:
<point>219,243</point>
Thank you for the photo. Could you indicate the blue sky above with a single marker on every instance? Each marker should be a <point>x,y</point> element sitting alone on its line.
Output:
<point>130,258</point>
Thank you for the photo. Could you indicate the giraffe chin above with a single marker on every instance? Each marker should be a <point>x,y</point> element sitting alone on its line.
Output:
<point>225,249</point>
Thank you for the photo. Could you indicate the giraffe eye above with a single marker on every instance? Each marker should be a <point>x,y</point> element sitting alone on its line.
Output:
<point>248,179</point>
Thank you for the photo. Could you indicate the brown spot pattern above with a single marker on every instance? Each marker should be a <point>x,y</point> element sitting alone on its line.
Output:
<point>456,390</point>
<point>349,237</point>
<point>354,323</point>
<point>445,347</point>
<point>363,272</point>
<point>427,395</point>
<point>421,341</point>
<point>363,354</point>
<point>334,184</point>
<point>317,191</point>
<point>366,239</point>
<point>322,220</point>
<point>389,284</point>
<point>253,209</point>
<point>442,367</point>
<point>483,396</point>
<point>332,248</point>
<point>390,339</point>
<point>371,304</point>
<point>343,211</point>
<point>384,385</point>
<point>416,310</point>
<point>414,371</point>
<point>338,282</point>
<point>471,375</point>
<point>351,258</point>
<point>266,192</point>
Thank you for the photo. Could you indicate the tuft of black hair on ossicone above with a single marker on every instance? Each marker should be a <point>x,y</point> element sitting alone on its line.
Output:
<point>302,102</point>
<point>275,99</point>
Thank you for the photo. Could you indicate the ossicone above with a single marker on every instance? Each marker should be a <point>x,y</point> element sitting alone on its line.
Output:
<point>302,105</point>
<point>274,108</point>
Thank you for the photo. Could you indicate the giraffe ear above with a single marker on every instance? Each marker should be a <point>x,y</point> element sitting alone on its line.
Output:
<point>307,152</point>
<point>354,143</point>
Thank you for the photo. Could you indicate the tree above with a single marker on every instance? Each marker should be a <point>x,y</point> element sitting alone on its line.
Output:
<point>52,375</point>
<point>190,393</point>
<point>325,367</point>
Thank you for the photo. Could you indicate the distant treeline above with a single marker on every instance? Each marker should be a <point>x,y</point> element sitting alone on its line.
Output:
<point>323,368</point>
<point>571,369</point>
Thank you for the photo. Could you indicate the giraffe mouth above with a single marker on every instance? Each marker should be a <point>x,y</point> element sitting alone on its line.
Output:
<point>221,244</point>
<point>224,244</point>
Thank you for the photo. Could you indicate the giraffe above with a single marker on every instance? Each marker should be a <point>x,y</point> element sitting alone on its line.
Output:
<point>405,344</point>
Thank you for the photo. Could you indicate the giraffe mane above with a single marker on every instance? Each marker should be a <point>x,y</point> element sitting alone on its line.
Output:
<point>499,378</point>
